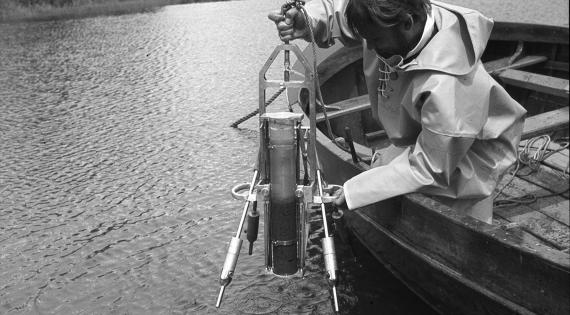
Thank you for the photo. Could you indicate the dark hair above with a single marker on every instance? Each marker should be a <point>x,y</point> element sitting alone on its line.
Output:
<point>360,13</point>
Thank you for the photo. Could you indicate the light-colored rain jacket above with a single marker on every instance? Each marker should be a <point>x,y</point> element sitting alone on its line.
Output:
<point>460,127</point>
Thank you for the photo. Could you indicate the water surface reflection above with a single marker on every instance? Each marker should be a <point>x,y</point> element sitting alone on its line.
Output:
<point>116,161</point>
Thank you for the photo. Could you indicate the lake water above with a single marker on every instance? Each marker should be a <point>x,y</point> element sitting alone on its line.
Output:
<point>116,162</point>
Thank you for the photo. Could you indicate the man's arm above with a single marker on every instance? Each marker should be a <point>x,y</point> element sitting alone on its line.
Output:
<point>430,163</point>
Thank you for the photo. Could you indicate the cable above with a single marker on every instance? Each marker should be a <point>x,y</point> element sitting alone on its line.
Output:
<point>318,85</point>
<point>533,161</point>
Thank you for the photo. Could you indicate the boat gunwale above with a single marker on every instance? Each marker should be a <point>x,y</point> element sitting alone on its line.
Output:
<point>529,32</point>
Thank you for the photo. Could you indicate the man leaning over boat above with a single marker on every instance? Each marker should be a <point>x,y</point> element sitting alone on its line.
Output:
<point>454,129</point>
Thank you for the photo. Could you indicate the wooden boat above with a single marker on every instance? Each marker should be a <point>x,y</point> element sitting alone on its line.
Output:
<point>520,264</point>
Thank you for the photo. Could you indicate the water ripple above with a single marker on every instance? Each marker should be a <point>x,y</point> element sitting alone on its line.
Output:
<point>116,162</point>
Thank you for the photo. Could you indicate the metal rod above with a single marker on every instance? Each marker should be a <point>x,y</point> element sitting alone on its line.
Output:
<point>219,300</point>
<point>230,263</point>
<point>267,231</point>
<point>323,211</point>
<point>335,298</point>
<point>246,206</point>
<point>301,230</point>
<point>234,248</point>
<point>328,246</point>
<point>287,65</point>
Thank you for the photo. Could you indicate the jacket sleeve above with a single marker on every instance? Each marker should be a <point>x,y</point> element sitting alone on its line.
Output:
<point>327,19</point>
<point>429,163</point>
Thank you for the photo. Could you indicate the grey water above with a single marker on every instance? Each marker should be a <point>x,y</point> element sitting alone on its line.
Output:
<point>116,162</point>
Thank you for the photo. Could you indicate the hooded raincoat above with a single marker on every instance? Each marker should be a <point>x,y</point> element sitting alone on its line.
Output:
<point>459,127</point>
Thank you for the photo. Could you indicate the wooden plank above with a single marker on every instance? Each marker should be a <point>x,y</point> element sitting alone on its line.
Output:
<point>558,210</point>
<point>536,82</point>
<point>545,217</point>
<point>526,237</point>
<point>557,161</point>
<point>545,177</point>
<point>351,105</point>
<point>546,122</point>
<point>495,66</point>
<point>543,227</point>
<point>513,31</point>
<point>555,207</point>
<point>489,255</point>
<point>557,65</point>
<point>374,135</point>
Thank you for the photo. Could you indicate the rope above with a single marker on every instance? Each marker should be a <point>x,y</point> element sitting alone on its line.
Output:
<point>524,199</point>
<point>255,112</point>
<point>532,161</point>
<point>318,85</point>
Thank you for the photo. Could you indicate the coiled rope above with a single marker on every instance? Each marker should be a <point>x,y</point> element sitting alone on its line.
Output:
<point>533,161</point>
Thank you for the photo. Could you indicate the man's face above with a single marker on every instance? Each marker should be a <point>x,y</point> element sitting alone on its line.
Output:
<point>386,41</point>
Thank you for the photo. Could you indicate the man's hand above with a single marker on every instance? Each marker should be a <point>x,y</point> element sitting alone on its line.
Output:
<point>340,200</point>
<point>290,26</point>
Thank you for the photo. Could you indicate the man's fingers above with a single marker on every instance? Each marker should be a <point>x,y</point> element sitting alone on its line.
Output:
<point>284,32</point>
<point>286,37</point>
<point>282,26</point>
<point>291,13</point>
<point>276,16</point>
<point>340,200</point>
<point>286,24</point>
<point>291,35</point>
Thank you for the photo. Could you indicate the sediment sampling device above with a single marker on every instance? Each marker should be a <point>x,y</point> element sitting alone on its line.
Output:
<point>286,182</point>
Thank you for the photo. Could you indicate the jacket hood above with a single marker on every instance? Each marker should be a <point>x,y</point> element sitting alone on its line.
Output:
<point>454,25</point>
